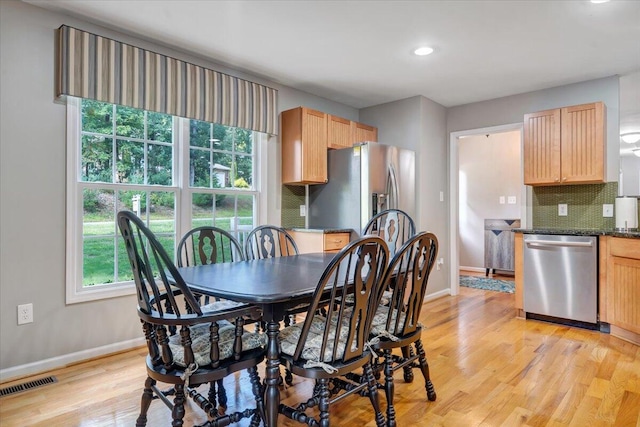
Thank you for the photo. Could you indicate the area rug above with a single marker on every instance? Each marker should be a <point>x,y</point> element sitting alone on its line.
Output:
<point>487,284</point>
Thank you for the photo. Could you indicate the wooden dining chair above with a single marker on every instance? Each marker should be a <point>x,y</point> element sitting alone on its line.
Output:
<point>397,322</point>
<point>269,241</point>
<point>325,348</point>
<point>210,245</point>
<point>394,226</point>
<point>188,346</point>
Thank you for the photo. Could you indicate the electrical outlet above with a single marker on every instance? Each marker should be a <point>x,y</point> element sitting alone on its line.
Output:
<point>511,200</point>
<point>303,210</point>
<point>501,200</point>
<point>607,211</point>
<point>25,313</point>
<point>562,209</point>
<point>439,263</point>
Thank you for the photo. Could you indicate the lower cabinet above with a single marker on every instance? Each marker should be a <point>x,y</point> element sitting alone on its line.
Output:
<point>620,286</point>
<point>319,241</point>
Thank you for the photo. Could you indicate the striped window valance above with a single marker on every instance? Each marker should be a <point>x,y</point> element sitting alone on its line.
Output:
<point>95,67</point>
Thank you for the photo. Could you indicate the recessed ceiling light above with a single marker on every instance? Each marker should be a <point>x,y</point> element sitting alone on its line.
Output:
<point>631,138</point>
<point>636,152</point>
<point>424,50</point>
<point>599,1</point>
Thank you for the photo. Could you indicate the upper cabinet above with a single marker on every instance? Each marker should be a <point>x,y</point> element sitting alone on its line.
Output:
<point>342,133</point>
<point>306,134</point>
<point>339,132</point>
<point>364,132</point>
<point>565,145</point>
<point>304,146</point>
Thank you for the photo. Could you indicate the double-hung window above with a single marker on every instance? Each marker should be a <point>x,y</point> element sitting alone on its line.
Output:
<point>174,173</point>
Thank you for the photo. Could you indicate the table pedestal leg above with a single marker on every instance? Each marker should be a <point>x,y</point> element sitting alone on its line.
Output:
<point>272,375</point>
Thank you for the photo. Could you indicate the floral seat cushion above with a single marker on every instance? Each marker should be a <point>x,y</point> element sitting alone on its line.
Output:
<point>201,344</point>
<point>221,305</point>
<point>290,336</point>
<point>379,322</point>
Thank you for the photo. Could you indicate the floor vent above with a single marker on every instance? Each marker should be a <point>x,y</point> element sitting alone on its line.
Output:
<point>27,386</point>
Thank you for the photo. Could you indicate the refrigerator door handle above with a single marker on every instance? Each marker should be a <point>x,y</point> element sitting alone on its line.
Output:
<point>392,189</point>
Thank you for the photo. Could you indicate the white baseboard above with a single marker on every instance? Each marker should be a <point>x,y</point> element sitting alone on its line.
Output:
<point>57,362</point>
<point>436,295</point>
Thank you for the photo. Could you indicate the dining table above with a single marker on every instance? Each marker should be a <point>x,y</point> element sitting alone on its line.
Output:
<point>273,284</point>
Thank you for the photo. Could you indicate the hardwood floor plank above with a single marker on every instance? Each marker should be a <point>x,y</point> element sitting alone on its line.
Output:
<point>489,369</point>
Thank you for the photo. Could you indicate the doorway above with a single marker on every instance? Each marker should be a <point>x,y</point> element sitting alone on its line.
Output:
<point>460,218</point>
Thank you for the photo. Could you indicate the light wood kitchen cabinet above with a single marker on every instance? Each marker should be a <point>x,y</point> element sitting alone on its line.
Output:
<point>364,132</point>
<point>620,286</point>
<point>318,241</point>
<point>518,256</point>
<point>343,133</point>
<point>339,132</point>
<point>565,145</point>
<point>304,146</point>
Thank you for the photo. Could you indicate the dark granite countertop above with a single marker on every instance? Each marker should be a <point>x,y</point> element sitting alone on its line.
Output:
<point>635,234</point>
<point>322,230</point>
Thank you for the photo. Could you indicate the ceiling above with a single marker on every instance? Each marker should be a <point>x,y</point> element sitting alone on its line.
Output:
<point>359,53</point>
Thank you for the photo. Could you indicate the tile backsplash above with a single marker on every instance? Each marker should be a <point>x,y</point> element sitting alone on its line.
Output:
<point>292,197</point>
<point>584,203</point>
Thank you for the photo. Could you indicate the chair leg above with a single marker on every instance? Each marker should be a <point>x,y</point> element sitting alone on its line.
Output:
<point>222,394</point>
<point>388,388</point>
<point>424,367</point>
<point>178,406</point>
<point>323,404</point>
<point>407,352</point>
<point>147,397</point>
<point>373,394</point>
<point>256,388</point>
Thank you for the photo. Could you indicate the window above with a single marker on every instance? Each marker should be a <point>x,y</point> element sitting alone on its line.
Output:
<point>175,173</point>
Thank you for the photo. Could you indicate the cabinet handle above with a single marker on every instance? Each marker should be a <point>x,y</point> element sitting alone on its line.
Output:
<point>564,178</point>
<point>556,180</point>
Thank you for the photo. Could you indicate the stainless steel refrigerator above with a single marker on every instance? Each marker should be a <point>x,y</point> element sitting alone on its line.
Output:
<point>363,180</point>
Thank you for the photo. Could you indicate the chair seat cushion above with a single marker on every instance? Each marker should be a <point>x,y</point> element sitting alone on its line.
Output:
<point>379,322</point>
<point>290,336</point>
<point>221,305</point>
<point>201,344</point>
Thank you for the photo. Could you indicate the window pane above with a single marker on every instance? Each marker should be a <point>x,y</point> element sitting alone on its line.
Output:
<point>243,140</point>
<point>225,136</point>
<point>97,159</point>
<point>130,162</point>
<point>244,217</point>
<point>124,266</point>
<point>199,171</point>
<point>98,261</point>
<point>223,173</point>
<point>133,200</point>
<point>201,209</point>
<point>244,177</point>
<point>98,219</point>
<point>159,127</point>
<point>162,212</point>
<point>97,117</point>
<point>160,162</point>
<point>199,134</point>
<point>129,122</point>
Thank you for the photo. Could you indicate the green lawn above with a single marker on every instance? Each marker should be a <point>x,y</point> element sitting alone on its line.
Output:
<point>100,238</point>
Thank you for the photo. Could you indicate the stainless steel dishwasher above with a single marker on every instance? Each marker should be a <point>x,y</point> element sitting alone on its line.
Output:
<point>561,277</point>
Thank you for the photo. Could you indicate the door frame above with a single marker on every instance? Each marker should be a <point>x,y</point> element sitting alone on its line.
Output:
<point>525,194</point>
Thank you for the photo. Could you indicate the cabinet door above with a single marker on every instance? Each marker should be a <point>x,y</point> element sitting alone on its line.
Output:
<point>623,296</point>
<point>364,132</point>
<point>582,141</point>
<point>339,132</point>
<point>304,146</point>
<point>542,147</point>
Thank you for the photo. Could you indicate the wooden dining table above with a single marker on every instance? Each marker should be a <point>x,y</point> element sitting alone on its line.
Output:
<point>275,285</point>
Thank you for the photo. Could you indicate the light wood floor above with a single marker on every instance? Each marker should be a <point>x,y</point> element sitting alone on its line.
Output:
<point>489,369</point>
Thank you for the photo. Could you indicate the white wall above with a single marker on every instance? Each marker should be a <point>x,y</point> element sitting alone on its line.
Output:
<point>32,195</point>
<point>489,167</point>
<point>630,168</point>
<point>419,124</point>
